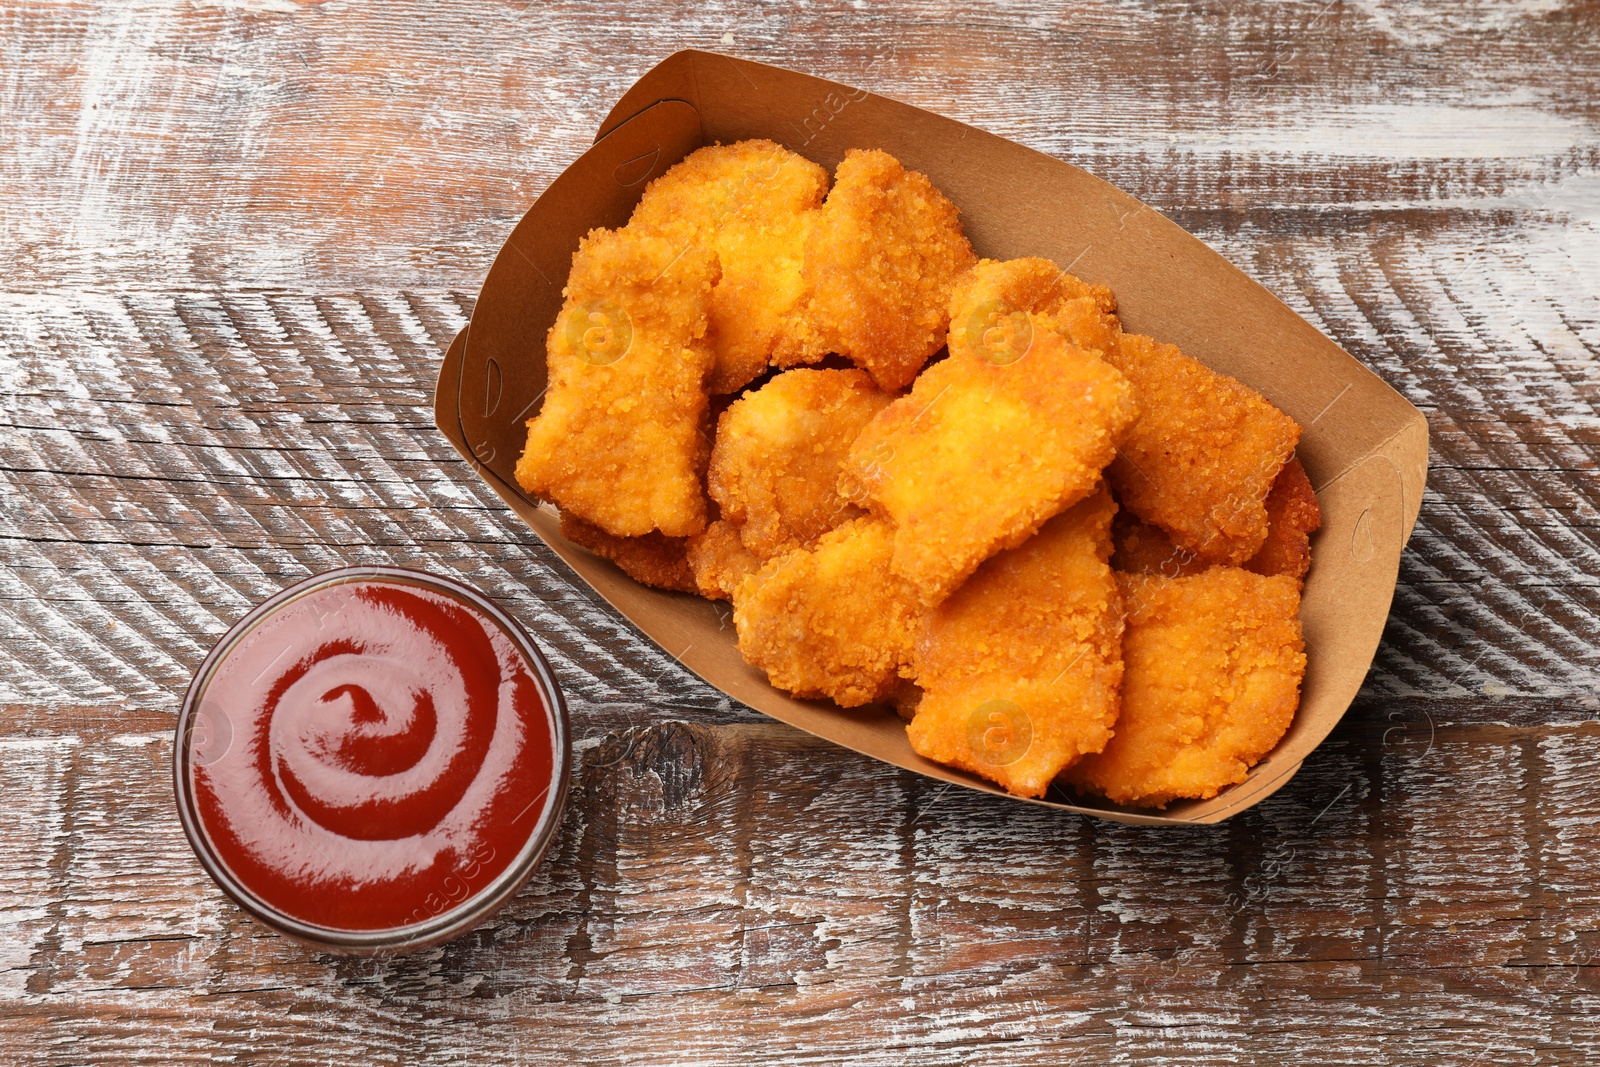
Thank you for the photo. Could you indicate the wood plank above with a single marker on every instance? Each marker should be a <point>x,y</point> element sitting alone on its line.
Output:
<point>402,144</point>
<point>745,881</point>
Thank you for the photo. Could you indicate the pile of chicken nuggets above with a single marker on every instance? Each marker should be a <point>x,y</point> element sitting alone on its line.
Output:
<point>1066,554</point>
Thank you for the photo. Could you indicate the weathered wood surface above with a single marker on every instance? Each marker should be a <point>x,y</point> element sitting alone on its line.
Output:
<point>235,236</point>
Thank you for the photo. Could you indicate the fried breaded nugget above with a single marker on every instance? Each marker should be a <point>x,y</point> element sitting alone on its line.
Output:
<point>1293,515</point>
<point>618,439</point>
<point>996,306</point>
<point>719,560</point>
<point>831,621</point>
<point>778,453</point>
<point>1204,453</point>
<point>1211,681</point>
<point>1020,667</point>
<point>880,261</point>
<point>752,203</point>
<point>1205,449</point>
<point>652,559</point>
<point>980,454</point>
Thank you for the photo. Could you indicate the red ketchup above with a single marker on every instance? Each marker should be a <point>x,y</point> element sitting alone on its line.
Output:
<point>371,754</point>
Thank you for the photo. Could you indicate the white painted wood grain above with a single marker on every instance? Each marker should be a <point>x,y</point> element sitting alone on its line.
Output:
<point>719,894</point>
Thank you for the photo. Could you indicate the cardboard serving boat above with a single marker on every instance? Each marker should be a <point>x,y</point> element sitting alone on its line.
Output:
<point>1364,446</point>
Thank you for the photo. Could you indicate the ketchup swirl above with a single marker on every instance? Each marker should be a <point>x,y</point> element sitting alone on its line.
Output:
<point>377,753</point>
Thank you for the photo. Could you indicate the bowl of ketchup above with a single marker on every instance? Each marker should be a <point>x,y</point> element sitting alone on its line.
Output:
<point>372,761</point>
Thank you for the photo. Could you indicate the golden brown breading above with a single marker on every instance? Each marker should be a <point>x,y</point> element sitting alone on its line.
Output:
<point>1293,516</point>
<point>980,454</point>
<point>1203,454</point>
<point>1205,449</point>
<point>778,453</point>
<point>752,203</point>
<point>880,261</point>
<point>831,621</point>
<point>652,559</point>
<point>1020,667</point>
<point>719,561</point>
<point>996,306</point>
<point>618,439</point>
<point>1211,680</point>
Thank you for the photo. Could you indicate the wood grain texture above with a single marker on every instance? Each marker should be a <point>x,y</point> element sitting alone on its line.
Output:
<point>235,238</point>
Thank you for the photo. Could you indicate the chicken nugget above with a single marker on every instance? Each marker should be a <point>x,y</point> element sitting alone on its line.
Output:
<point>1205,449</point>
<point>618,440</point>
<point>719,561</point>
<point>1020,667</point>
<point>880,261</point>
<point>653,559</point>
<point>997,305</point>
<point>1203,454</point>
<point>1293,515</point>
<point>778,453</point>
<point>1212,665</point>
<point>980,454</point>
<point>833,620</point>
<point>752,203</point>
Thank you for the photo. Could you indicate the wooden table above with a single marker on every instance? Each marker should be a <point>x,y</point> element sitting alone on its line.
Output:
<point>234,238</point>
